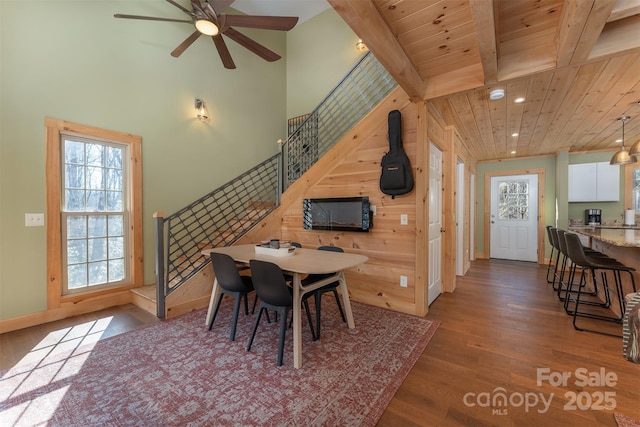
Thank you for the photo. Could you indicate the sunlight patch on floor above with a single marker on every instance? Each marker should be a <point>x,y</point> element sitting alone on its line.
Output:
<point>50,365</point>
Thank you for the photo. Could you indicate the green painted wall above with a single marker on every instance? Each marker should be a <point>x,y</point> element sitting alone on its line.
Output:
<point>546,163</point>
<point>610,210</point>
<point>562,191</point>
<point>78,63</point>
<point>557,210</point>
<point>320,52</point>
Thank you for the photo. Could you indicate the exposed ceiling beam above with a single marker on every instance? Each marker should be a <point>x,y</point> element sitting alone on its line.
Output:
<point>573,21</point>
<point>624,9</point>
<point>593,27</point>
<point>618,37</point>
<point>484,23</point>
<point>365,20</point>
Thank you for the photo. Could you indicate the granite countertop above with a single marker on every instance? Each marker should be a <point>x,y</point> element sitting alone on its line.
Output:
<point>623,236</point>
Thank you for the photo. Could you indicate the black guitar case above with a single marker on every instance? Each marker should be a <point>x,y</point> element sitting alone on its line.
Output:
<point>396,178</point>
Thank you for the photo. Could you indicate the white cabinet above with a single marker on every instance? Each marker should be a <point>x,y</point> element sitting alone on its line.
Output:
<point>594,182</point>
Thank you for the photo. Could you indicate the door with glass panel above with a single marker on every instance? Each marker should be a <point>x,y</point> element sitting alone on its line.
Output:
<point>514,217</point>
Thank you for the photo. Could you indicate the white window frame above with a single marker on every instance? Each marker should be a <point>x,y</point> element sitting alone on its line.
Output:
<point>56,130</point>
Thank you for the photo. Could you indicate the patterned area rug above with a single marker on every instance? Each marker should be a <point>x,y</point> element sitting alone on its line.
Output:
<point>625,421</point>
<point>176,373</point>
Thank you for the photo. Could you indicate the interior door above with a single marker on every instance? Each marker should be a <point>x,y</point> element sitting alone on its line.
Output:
<point>514,217</point>
<point>460,219</point>
<point>435,223</point>
<point>472,217</point>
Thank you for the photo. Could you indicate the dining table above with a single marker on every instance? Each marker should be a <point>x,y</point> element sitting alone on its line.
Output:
<point>299,263</point>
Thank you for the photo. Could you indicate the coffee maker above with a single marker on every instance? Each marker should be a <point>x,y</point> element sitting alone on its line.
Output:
<point>593,216</point>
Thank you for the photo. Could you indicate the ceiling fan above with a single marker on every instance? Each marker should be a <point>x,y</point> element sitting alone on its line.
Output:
<point>209,20</point>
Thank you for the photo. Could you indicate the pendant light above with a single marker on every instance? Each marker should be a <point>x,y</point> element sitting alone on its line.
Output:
<point>635,149</point>
<point>622,156</point>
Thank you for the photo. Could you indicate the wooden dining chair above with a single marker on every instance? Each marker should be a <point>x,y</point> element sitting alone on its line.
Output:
<point>231,283</point>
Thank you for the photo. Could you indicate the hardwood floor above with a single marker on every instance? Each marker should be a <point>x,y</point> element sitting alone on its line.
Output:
<point>499,327</point>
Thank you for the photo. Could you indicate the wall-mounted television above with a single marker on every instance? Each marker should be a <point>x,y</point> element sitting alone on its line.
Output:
<point>338,213</point>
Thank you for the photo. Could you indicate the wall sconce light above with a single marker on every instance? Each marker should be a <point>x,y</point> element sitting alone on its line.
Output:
<point>360,46</point>
<point>201,110</point>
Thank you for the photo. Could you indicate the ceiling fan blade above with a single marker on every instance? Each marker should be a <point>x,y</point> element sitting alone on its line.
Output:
<point>185,44</point>
<point>225,56</point>
<point>281,23</point>
<point>150,18</point>
<point>179,6</point>
<point>252,45</point>
<point>220,5</point>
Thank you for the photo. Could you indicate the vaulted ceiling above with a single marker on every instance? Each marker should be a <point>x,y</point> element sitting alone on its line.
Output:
<point>576,63</point>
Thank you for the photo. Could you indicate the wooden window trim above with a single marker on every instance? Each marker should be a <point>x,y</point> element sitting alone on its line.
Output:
<point>53,129</point>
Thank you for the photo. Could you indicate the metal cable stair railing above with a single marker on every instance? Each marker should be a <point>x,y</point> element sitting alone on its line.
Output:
<point>354,97</point>
<point>224,215</point>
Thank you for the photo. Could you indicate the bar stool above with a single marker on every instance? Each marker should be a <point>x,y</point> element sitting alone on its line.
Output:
<point>559,256</point>
<point>567,262</point>
<point>553,250</point>
<point>591,264</point>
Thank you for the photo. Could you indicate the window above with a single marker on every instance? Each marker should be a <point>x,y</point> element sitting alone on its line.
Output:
<point>94,212</point>
<point>513,203</point>
<point>94,236</point>
<point>635,192</point>
<point>632,187</point>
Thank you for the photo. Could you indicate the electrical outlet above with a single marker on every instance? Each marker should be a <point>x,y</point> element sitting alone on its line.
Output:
<point>373,210</point>
<point>403,281</point>
<point>34,220</point>
<point>404,219</point>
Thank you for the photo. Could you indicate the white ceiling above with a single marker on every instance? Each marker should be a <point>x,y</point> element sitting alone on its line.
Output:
<point>304,9</point>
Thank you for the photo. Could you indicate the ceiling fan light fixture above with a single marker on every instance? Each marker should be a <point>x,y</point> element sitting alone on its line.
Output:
<point>622,156</point>
<point>496,94</point>
<point>207,27</point>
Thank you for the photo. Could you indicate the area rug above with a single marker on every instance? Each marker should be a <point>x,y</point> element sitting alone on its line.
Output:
<point>625,421</point>
<point>177,373</point>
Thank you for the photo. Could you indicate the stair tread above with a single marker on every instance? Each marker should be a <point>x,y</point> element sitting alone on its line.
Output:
<point>147,291</point>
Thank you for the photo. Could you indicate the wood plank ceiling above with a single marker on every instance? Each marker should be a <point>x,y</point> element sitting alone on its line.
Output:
<point>575,62</point>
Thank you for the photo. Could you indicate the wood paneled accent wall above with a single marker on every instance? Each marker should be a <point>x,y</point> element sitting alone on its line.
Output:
<point>352,168</point>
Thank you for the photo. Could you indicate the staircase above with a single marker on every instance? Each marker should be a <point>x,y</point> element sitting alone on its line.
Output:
<point>222,217</point>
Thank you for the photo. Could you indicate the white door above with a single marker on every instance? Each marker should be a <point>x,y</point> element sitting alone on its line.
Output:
<point>435,223</point>
<point>514,217</point>
<point>460,220</point>
<point>472,216</point>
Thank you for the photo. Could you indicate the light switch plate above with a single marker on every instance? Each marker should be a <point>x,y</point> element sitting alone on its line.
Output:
<point>404,219</point>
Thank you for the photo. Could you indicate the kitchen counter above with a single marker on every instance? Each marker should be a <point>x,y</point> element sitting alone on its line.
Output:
<point>622,236</point>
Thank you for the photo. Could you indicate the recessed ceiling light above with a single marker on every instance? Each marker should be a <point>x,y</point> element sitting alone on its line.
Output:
<point>514,134</point>
<point>513,152</point>
<point>496,94</point>
<point>518,100</point>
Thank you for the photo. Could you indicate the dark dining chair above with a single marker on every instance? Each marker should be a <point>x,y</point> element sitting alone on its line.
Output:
<point>271,287</point>
<point>317,294</point>
<point>231,283</point>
